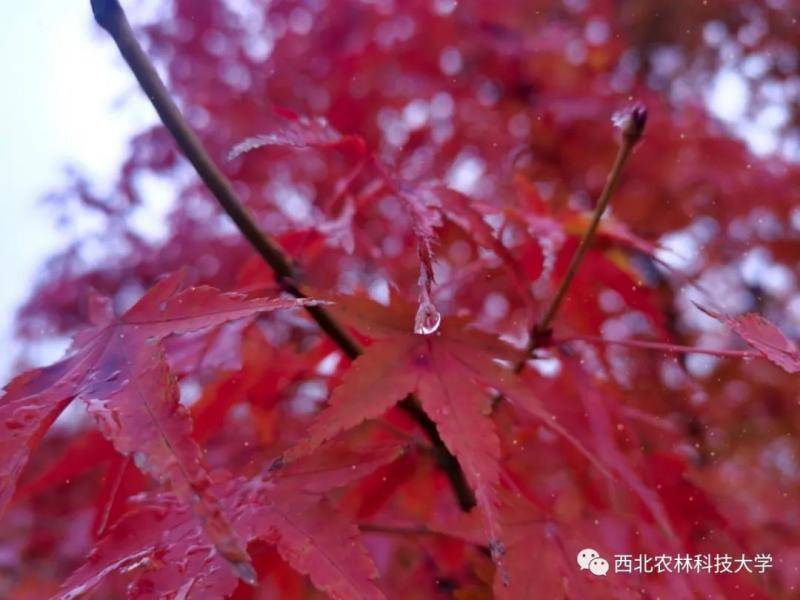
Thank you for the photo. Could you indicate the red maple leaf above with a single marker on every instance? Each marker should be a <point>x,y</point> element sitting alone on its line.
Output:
<point>163,545</point>
<point>763,336</point>
<point>117,368</point>
<point>453,372</point>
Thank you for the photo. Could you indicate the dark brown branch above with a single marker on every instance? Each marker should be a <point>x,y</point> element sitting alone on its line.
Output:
<point>111,17</point>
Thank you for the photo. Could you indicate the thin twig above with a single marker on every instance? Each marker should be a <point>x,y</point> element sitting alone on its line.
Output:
<point>111,17</point>
<point>658,346</point>
<point>632,128</point>
<point>398,529</point>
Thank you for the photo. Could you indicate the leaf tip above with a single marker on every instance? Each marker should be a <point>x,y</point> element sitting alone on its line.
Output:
<point>245,572</point>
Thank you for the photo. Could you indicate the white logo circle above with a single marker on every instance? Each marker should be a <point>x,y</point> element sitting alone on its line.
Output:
<point>586,556</point>
<point>598,566</point>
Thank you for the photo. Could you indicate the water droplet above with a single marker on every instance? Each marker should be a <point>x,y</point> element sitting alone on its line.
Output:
<point>245,572</point>
<point>497,548</point>
<point>141,562</point>
<point>140,460</point>
<point>428,318</point>
<point>113,376</point>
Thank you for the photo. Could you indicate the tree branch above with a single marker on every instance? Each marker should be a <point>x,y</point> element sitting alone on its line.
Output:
<point>632,126</point>
<point>111,17</point>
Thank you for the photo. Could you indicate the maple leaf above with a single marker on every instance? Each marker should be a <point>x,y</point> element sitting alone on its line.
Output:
<point>162,545</point>
<point>763,336</point>
<point>420,205</point>
<point>540,554</point>
<point>469,216</point>
<point>119,370</point>
<point>542,549</point>
<point>465,94</point>
<point>451,373</point>
<point>299,131</point>
<point>441,371</point>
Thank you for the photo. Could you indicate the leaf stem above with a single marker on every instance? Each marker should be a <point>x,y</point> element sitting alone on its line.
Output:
<point>659,346</point>
<point>397,530</point>
<point>111,17</point>
<point>632,128</point>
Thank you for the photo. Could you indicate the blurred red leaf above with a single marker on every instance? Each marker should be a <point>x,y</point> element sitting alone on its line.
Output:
<point>297,131</point>
<point>118,369</point>
<point>163,546</point>
<point>764,337</point>
<point>465,142</point>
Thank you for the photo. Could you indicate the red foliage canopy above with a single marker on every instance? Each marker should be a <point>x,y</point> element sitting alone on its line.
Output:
<point>430,167</point>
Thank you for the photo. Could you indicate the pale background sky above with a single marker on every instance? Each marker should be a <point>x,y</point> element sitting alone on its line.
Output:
<point>65,101</point>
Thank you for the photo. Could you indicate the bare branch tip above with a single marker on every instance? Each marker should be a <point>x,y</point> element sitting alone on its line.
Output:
<point>106,12</point>
<point>631,122</point>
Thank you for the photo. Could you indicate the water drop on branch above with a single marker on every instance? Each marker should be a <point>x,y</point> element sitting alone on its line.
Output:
<point>428,318</point>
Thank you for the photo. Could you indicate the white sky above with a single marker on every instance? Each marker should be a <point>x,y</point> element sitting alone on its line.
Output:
<point>61,83</point>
